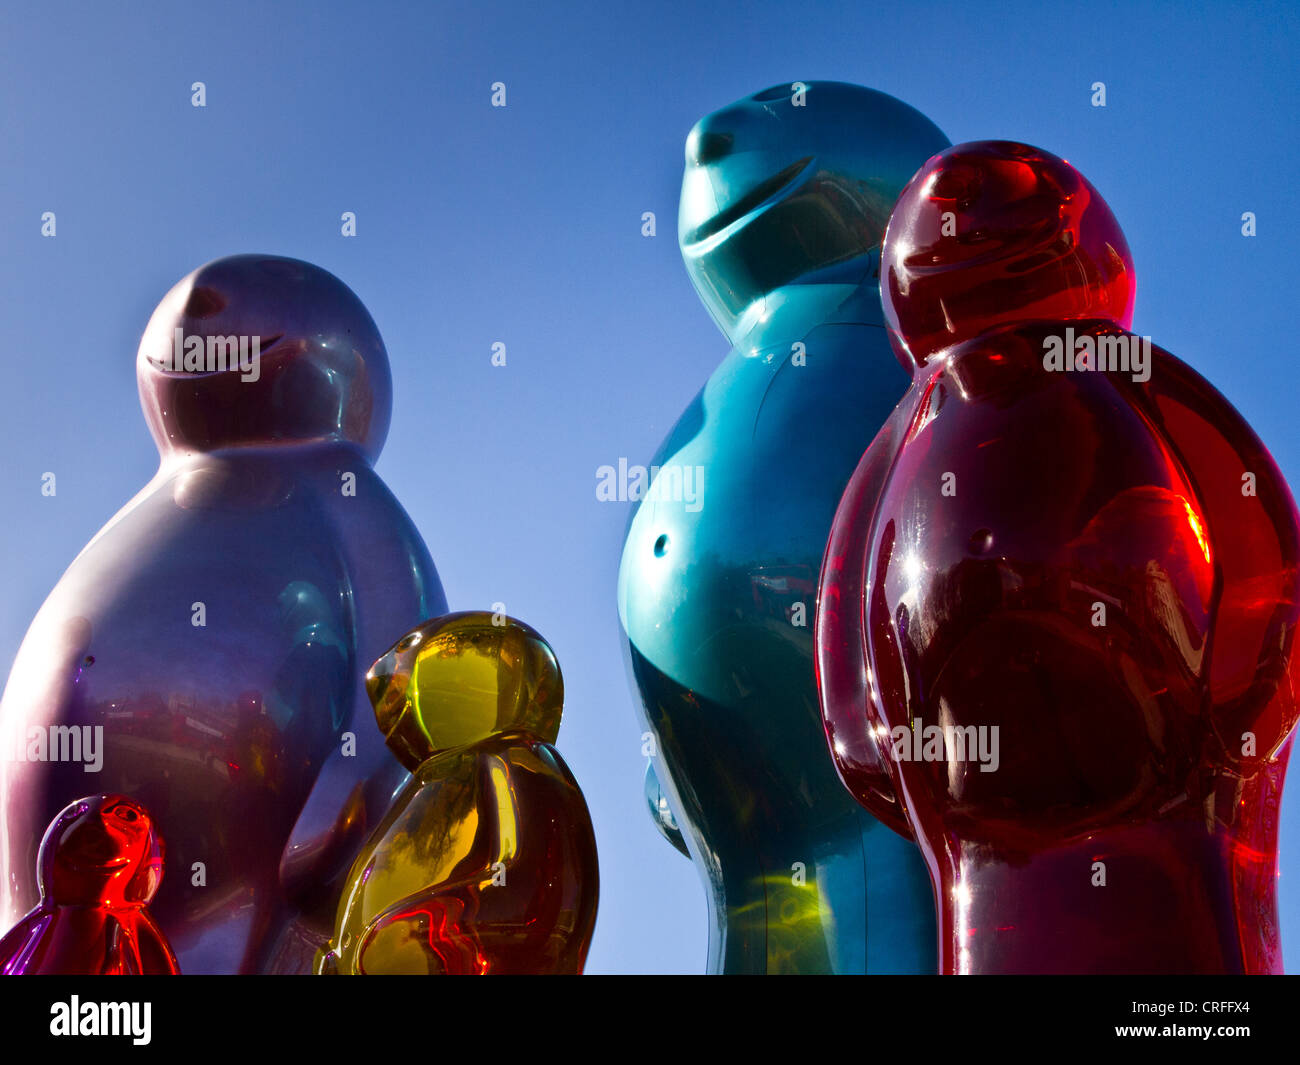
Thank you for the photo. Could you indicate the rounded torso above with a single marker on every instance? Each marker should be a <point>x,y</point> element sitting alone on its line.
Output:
<point>486,863</point>
<point>1064,572</point>
<point>203,647</point>
<point>717,597</point>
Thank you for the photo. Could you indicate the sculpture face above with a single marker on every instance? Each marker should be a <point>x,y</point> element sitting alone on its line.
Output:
<point>1052,622</point>
<point>101,851</point>
<point>776,191</point>
<point>997,232</point>
<point>209,642</point>
<point>100,865</point>
<point>718,576</point>
<point>321,373</point>
<point>459,679</point>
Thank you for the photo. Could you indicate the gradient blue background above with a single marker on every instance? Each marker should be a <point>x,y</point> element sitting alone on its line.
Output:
<point>523,225</point>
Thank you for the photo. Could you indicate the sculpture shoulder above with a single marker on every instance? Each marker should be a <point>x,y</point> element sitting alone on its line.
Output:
<point>687,427</point>
<point>517,758</point>
<point>367,517</point>
<point>156,956</point>
<point>20,946</point>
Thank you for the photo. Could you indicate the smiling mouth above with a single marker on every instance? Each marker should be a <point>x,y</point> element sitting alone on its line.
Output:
<point>760,196</point>
<point>264,347</point>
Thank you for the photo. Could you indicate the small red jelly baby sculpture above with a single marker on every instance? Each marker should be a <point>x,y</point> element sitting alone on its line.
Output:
<point>100,863</point>
<point>1057,619</point>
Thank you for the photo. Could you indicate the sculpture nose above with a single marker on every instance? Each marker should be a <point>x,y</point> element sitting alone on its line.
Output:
<point>378,678</point>
<point>705,146</point>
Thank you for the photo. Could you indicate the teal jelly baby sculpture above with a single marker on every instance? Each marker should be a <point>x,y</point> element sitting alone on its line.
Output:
<point>207,649</point>
<point>784,202</point>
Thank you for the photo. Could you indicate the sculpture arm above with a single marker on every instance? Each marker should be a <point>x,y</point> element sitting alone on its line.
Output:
<point>661,812</point>
<point>392,585</point>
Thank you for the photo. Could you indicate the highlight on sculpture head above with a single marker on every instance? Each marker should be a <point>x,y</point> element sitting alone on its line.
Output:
<point>486,860</point>
<point>99,867</point>
<point>1057,617</point>
<point>784,202</point>
<point>206,649</point>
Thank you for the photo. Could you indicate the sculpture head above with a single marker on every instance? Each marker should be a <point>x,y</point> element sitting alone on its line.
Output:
<point>992,233</point>
<point>263,350</point>
<point>789,183</point>
<point>462,678</point>
<point>100,851</point>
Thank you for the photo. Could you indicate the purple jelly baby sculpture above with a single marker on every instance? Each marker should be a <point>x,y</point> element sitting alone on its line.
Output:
<point>206,650</point>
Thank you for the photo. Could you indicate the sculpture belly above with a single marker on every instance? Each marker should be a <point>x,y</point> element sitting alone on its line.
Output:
<point>717,606</point>
<point>717,599</point>
<point>217,728</point>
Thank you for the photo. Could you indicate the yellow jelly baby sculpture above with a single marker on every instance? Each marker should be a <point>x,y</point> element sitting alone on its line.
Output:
<point>486,862</point>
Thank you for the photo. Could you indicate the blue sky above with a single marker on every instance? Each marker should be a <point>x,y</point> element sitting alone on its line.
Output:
<point>523,225</point>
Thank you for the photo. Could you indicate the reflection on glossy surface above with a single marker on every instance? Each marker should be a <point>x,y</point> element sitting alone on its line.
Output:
<point>486,861</point>
<point>99,866</point>
<point>1101,569</point>
<point>784,202</point>
<point>217,629</point>
<point>661,811</point>
<point>994,237</point>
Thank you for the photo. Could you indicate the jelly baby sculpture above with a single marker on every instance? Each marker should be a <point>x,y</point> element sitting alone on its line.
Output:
<point>486,862</point>
<point>1057,618</point>
<point>209,644</point>
<point>784,203</point>
<point>100,864</point>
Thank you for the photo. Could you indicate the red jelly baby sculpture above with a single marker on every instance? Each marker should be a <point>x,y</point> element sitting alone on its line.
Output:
<point>1057,618</point>
<point>100,863</point>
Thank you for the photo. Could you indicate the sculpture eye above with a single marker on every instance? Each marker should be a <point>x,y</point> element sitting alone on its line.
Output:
<point>125,813</point>
<point>204,302</point>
